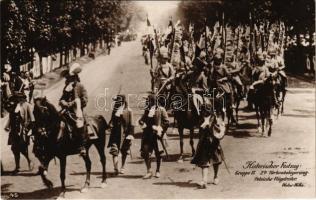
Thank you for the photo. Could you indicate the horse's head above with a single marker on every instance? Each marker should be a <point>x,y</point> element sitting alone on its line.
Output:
<point>46,125</point>
<point>41,106</point>
<point>10,105</point>
<point>214,102</point>
<point>271,81</point>
<point>45,113</point>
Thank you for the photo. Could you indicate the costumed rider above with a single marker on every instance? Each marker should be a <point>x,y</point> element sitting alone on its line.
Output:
<point>165,71</point>
<point>276,63</point>
<point>154,123</point>
<point>260,74</point>
<point>122,131</point>
<point>72,102</point>
<point>236,81</point>
<point>198,81</point>
<point>221,77</point>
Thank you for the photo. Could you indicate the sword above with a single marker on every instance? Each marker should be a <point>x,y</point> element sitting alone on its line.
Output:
<point>224,161</point>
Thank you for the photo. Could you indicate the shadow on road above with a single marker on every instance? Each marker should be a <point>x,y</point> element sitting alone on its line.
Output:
<point>187,184</point>
<point>299,115</point>
<point>125,176</point>
<point>38,194</point>
<point>5,187</point>
<point>21,173</point>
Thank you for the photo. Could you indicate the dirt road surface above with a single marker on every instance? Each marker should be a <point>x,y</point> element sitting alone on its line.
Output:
<point>292,141</point>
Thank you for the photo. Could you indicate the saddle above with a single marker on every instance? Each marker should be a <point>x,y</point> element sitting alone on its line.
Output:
<point>69,125</point>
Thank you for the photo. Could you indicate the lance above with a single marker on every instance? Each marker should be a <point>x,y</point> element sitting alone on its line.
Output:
<point>225,39</point>
<point>251,39</point>
<point>205,32</point>
<point>237,47</point>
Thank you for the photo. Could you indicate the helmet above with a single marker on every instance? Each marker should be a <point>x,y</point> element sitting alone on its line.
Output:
<point>202,54</point>
<point>164,52</point>
<point>75,69</point>
<point>219,51</point>
<point>272,51</point>
<point>260,56</point>
<point>217,58</point>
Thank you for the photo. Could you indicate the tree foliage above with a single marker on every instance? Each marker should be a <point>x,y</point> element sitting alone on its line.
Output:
<point>298,14</point>
<point>50,26</point>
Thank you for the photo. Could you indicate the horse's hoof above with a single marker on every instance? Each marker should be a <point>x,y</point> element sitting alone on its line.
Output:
<point>31,166</point>
<point>180,160</point>
<point>49,184</point>
<point>84,190</point>
<point>104,185</point>
<point>259,130</point>
<point>61,196</point>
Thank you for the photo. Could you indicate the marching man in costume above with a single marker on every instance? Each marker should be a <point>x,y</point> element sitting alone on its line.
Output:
<point>208,149</point>
<point>122,130</point>
<point>154,123</point>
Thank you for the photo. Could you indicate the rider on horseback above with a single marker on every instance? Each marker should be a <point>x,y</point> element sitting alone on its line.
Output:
<point>260,71</point>
<point>221,75</point>
<point>72,101</point>
<point>260,74</point>
<point>276,63</point>
<point>165,70</point>
<point>197,81</point>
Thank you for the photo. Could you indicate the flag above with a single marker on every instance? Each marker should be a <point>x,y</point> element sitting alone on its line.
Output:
<point>170,23</point>
<point>148,22</point>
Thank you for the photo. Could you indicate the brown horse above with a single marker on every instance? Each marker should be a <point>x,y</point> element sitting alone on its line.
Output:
<point>263,98</point>
<point>186,117</point>
<point>49,144</point>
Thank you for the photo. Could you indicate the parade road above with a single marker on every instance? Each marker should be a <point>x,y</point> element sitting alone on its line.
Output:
<point>291,145</point>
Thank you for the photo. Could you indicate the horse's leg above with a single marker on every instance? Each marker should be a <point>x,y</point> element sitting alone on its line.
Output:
<point>263,121</point>
<point>269,121</point>
<point>283,98</point>
<point>100,149</point>
<point>43,171</point>
<point>87,161</point>
<point>237,108</point>
<point>192,141</point>
<point>258,119</point>
<point>180,130</point>
<point>62,161</point>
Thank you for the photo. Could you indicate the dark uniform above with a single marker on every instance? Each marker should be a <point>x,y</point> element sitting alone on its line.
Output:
<point>154,116</point>
<point>121,132</point>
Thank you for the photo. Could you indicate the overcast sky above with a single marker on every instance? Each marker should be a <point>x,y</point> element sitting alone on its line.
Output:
<point>158,9</point>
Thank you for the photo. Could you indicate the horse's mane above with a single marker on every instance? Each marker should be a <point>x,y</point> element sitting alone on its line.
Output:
<point>54,115</point>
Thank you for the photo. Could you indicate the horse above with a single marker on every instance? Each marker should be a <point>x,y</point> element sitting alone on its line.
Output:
<point>186,117</point>
<point>263,100</point>
<point>280,90</point>
<point>48,143</point>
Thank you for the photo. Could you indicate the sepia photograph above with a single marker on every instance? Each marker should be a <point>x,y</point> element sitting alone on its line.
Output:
<point>184,99</point>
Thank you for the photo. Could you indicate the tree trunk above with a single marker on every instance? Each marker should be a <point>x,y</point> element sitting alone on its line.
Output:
<point>61,59</point>
<point>41,65</point>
